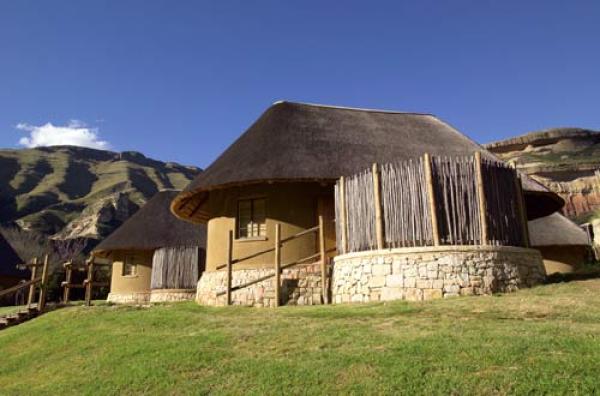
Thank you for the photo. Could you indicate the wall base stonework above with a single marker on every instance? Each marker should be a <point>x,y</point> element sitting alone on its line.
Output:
<point>129,298</point>
<point>301,285</point>
<point>171,295</point>
<point>425,273</point>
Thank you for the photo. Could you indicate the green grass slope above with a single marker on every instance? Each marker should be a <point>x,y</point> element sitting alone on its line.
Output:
<point>45,188</point>
<point>540,341</point>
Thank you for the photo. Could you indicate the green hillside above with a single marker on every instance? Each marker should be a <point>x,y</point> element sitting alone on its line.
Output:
<point>539,341</point>
<point>44,189</point>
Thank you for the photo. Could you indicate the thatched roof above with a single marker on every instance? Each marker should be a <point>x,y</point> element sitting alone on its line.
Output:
<point>556,230</point>
<point>9,259</point>
<point>304,142</point>
<point>153,227</point>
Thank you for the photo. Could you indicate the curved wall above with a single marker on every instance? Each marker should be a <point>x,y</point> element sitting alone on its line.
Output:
<point>131,289</point>
<point>433,272</point>
<point>294,205</point>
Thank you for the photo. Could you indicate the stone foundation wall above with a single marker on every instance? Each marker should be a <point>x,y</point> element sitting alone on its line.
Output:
<point>129,298</point>
<point>301,285</point>
<point>434,272</point>
<point>170,295</point>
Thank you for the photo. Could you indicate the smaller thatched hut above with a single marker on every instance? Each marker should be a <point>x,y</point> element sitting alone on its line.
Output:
<point>563,244</point>
<point>10,275</point>
<point>155,256</point>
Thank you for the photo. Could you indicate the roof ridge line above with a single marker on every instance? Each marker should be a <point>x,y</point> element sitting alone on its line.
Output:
<point>277,102</point>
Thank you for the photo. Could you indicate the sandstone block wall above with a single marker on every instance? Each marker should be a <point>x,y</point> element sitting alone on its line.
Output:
<point>301,285</point>
<point>129,298</point>
<point>433,272</point>
<point>171,295</point>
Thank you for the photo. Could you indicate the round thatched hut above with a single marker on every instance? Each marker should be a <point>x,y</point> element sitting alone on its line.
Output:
<point>155,256</point>
<point>563,244</point>
<point>282,170</point>
<point>10,275</point>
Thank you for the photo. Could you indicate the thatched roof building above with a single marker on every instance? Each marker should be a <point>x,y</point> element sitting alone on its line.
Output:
<point>153,227</point>
<point>563,244</point>
<point>304,142</point>
<point>155,256</point>
<point>9,259</point>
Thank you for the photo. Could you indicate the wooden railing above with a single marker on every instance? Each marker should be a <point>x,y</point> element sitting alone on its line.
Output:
<point>278,266</point>
<point>88,283</point>
<point>35,281</point>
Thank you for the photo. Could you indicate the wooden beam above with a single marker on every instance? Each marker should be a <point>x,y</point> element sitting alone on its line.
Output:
<point>481,199</point>
<point>435,230</point>
<point>343,216</point>
<point>323,256</point>
<point>89,282</point>
<point>277,264</point>
<point>66,284</point>
<point>521,210</point>
<point>229,265</point>
<point>31,294</point>
<point>20,286</point>
<point>377,202</point>
<point>43,285</point>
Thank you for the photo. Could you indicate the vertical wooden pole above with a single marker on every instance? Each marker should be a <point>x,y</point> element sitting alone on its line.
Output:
<point>378,216</point>
<point>521,210</point>
<point>229,265</point>
<point>323,260</point>
<point>31,294</point>
<point>343,217</point>
<point>435,228</point>
<point>482,200</point>
<point>68,276</point>
<point>277,264</point>
<point>43,286</point>
<point>89,282</point>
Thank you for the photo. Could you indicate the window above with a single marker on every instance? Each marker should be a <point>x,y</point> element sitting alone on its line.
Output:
<point>251,218</point>
<point>129,267</point>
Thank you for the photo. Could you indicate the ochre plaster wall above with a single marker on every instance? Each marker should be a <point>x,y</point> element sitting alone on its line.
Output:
<point>294,205</point>
<point>140,282</point>
<point>562,259</point>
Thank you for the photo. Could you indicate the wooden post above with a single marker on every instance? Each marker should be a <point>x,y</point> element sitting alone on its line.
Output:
<point>435,230</point>
<point>521,210</point>
<point>31,294</point>
<point>43,286</point>
<point>89,282</point>
<point>343,223</point>
<point>378,216</point>
<point>482,200</point>
<point>277,264</point>
<point>229,266</point>
<point>323,260</point>
<point>68,275</point>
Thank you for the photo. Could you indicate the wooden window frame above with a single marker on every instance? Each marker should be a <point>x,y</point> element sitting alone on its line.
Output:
<point>252,200</point>
<point>133,265</point>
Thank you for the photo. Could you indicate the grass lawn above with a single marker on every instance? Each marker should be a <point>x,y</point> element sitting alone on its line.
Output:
<point>543,340</point>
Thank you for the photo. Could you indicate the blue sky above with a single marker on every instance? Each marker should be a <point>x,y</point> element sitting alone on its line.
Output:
<point>180,80</point>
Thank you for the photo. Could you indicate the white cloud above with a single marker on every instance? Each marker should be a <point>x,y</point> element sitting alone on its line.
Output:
<point>75,133</point>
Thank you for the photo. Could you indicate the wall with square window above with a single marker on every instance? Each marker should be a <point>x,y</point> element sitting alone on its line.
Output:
<point>251,212</point>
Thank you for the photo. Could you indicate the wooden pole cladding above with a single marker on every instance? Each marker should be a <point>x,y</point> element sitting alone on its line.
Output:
<point>431,199</point>
<point>377,203</point>
<point>522,211</point>
<point>482,199</point>
<point>343,218</point>
<point>31,294</point>
<point>229,266</point>
<point>277,264</point>
<point>43,286</point>
<point>89,282</point>
<point>66,284</point>
<point>323,255</point>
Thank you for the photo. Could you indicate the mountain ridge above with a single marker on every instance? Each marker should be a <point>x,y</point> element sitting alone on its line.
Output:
<point>71,192</point>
